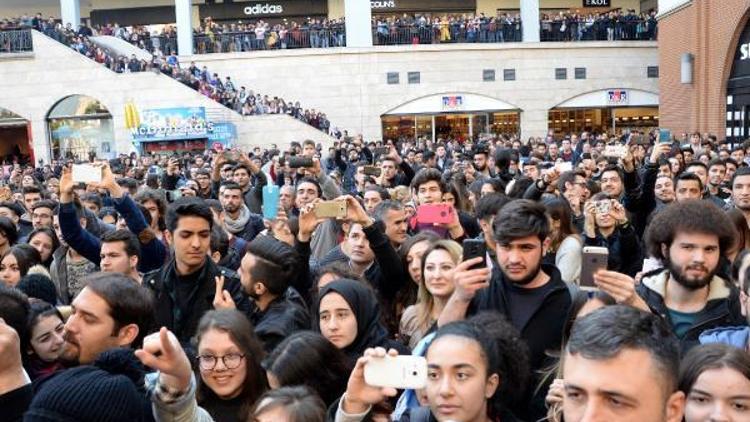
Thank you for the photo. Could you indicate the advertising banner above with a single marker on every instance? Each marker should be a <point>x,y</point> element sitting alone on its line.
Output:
<point>169,124</point>
<point>223,135</point>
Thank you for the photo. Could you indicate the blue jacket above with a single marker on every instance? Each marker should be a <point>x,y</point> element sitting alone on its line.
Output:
<point>733,336</point>
<point>153,252</point>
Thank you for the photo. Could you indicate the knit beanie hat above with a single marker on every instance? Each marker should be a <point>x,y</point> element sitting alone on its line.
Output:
<point>110,390</point>
<point>38,286</point>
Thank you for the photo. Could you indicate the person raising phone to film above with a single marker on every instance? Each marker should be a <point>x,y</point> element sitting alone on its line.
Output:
<point>476,371</point>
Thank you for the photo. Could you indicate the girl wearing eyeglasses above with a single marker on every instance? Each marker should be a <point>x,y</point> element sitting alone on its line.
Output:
<point>229,354</point>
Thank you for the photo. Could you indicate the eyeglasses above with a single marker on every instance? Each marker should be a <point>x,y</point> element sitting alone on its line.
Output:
<point>230,361</point>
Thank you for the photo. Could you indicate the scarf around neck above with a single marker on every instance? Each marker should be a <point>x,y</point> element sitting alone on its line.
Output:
<point>236,226</point>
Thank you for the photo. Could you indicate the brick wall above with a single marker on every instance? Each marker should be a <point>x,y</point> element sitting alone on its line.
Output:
<point>708,29</point>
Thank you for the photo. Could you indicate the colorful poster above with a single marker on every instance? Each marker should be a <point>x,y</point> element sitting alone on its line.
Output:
<point>169,124</point>
<point>223,135</point>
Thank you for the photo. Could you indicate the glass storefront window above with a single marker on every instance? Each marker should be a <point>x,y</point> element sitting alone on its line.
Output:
<point>424,127</point>
<point>478,125</point>
<point>80,126</point>
<point>600,120</point>
<point>460,126</point>
<point>505,123</point>
<point>454,126</point>
<point>395,127</point>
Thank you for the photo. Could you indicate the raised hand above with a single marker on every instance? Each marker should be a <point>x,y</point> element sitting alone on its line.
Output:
<point>308,221</point>
<point>162,351</point>
<point>222,298</point>
<point>355,212</point>
<point>360,395</point>
<point>468,282</point>
<point>621,287</point>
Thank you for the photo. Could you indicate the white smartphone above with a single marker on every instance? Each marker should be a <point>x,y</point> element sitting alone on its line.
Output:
<point>87,173</point>
<point>399,372</point>
<point>564,166</point>
<point>615,151</point>
<point>593,259</point>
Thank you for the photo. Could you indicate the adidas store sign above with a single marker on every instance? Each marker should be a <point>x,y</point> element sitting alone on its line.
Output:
<point>264,9</point>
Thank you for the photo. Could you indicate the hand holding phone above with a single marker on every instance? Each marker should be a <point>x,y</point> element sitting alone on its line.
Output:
<point>331,209</point>
<point>594,259</point>
<point>665,136</point>
<point>381,150</point>
<point>87,173</point>
<point>564,166</point>
<point>435,213</point>
<point>615,151</point>
<point>474,248</point>
<point>400,372</point>
<point>271,195</point>
<point>297,162</point>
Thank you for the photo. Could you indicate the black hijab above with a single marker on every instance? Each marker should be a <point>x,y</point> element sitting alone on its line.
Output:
<point>370,330</point>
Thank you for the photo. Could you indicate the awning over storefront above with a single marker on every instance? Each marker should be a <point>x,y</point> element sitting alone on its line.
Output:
<point>614,97</point>
<point>452,102</point>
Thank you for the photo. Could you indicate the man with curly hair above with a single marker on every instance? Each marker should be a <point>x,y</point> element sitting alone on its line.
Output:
<point>690,238</point>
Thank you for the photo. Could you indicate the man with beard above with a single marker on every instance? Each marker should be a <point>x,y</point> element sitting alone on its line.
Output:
<point>741,191</point>
<point>238,219</point>
<point>530,294</point>
<point>481,161</point>
<point>689,238</point>
<point>267,271</point>
<point>111,311</point>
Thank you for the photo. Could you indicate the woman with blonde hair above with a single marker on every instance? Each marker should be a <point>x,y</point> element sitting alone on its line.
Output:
<point>435,288</point>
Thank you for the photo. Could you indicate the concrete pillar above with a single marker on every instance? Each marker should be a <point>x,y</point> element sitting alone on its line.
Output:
<point>358,23</point>
<point>534,122</point>
<point>70,12</point>
<point>183,11</point>
<point>530,20</point>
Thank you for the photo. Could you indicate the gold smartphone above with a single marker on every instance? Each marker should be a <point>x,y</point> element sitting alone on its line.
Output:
<point>331,209</point>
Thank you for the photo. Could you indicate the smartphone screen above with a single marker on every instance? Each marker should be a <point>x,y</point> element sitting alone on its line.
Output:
<point>665,136</point>
<point>86,173</point>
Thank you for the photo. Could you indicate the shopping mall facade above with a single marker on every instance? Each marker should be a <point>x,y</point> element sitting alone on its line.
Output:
<point>429,90</point>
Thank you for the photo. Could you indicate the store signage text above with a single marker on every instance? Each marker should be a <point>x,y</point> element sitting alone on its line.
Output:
<point>382,4</point>
<point>617,97</point>
<point>172,130</point>
<point>596,3</point>
<point>453,102</point>
<point>264,9</point>
<point>745,51</point>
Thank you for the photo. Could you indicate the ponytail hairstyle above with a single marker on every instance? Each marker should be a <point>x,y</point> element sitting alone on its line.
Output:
<point>504,353</point>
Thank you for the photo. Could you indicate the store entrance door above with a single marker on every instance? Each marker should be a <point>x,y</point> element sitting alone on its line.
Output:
<point>456,126</point>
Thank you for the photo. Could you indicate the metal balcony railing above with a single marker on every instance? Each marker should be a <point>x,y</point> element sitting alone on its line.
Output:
<point>15,41</point>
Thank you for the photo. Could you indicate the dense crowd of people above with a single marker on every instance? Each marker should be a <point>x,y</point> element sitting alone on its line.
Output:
<point>213,37</point>
<point>423,28</point>
<point>223,91</point>
<point>580,278</point>
<point>626,25</point>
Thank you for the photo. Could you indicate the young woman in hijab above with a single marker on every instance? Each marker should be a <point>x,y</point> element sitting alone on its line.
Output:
<point>349,317</point>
